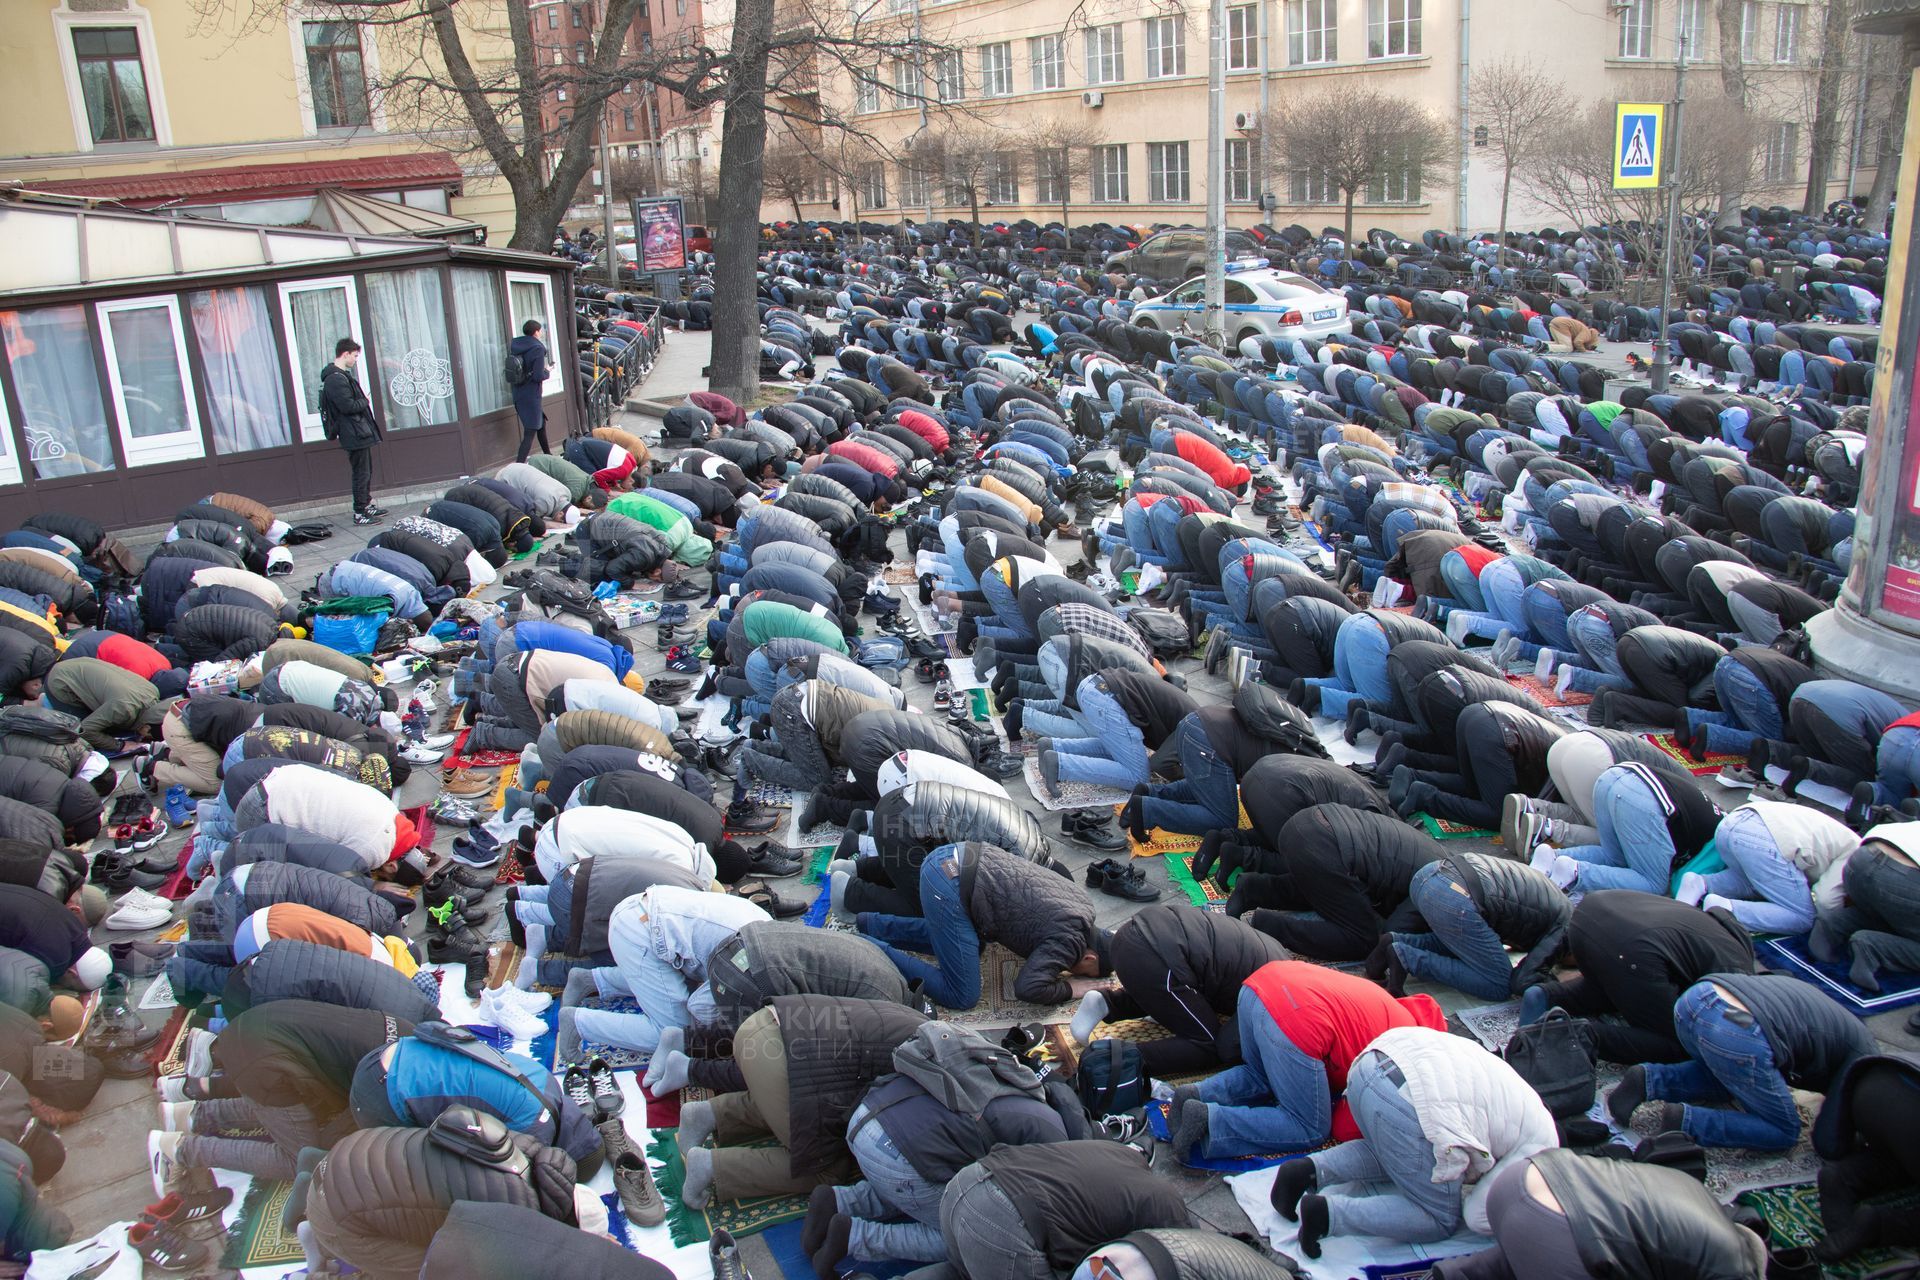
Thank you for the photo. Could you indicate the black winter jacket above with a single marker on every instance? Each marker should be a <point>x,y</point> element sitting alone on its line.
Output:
<point>914,821</point>
<point>272,842</point>
<point>1522,906</point>
<point>345,413</point>
<point>288,969</point>
<point>1278,788</point>
<point>771,958</point>
<point>836,1048</point>
<point>1033,912</point>
<point>1210,953</point>
<point>266,884</point>
<point>75,804</point>
<point>213,632</point>
<point>1647,1221</point>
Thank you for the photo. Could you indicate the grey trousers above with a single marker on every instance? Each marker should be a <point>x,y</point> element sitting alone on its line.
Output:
<point>210,1143</point>
<point>986,1237</point>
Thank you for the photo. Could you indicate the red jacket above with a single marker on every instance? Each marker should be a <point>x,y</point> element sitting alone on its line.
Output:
<point>866,457</point>
<point>1476,556</point>
<point>1333,1016</point>
<point>722,409</point>
<point>1204,454</point>
<point>132,655</point>
<point>927,429</point>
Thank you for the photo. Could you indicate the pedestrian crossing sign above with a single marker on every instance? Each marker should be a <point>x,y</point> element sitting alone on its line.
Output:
<point>1638,134</point>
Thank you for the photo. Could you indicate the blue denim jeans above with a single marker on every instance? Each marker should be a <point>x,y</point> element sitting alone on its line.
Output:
<point>1393,1149</point>
<point>1007,622</point>
<point>1593,637</point>
<point>1462,950</point>
<point>1728,1058</point>
<point>895,1211</point>
<point>1747,711</point>
<point>1636,849</point>
<point>1899,764</point>
<point>1770,894</point>
<point>1277,1099</point>
<point>1359,670</point>
<point>1116,755</point>
<point>946,932</point>
<point>1207,796</point>
<point>1462,585</point>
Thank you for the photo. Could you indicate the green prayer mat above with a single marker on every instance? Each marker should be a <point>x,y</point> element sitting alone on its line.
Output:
<point>817,860</point>
<point>1201,893</point>
<point>739,1217</point>
<point>1793,1212</point>
<point>1445,829</point>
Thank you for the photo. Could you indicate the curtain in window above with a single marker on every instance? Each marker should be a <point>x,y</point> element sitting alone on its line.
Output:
<point>415,370</point>
<point>63,413</point>
<point>245,395</point>
<point>320,319</point>
<point>478,312</point>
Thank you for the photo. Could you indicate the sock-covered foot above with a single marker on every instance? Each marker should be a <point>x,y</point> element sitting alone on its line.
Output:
<point>827,1259</point>
<point>581,986</point>
<point>1190,1130</point>
<point>1291,1181</point>
<point>1627,1096</point>
<point>1313,1224</point>
<point>823,1205</point>
<point>696,1126</point>
<point>1091,1013</point>
<point>528,974</point>
<point>672,1040</point>
<point>837,895</point>
<point>566,1040</point>
<point>673,1068</point>
<point>698,1187</point>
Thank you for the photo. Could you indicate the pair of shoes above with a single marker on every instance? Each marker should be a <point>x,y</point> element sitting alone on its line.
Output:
<point>774,861</point>
<point>942,696</point>
<point>368,516</point>
<point>1000,763</point>
<point>683,659</point>
<point>139,909</point>
<point>668,691</point>
<point>465,783</point>
<point>1115,880</point>
<point>744,817</point>
<point>594,1081</point>
<point>1093,828</point>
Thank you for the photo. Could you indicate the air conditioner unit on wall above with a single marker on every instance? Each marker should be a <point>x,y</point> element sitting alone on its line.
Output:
<point>1092,98</point>
<point>1242,121</point>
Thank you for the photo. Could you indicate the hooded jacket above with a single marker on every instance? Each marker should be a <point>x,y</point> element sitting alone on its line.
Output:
<point>216,632</point>
<point>41,733</point>
<point>71,802</point>
<point>22,658</point>
<point>345,413</point>
<point>248,888</point>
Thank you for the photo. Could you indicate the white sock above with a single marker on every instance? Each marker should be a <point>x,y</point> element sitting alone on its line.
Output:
<point>528,973</point>
<point>672,1040</point>
<point>696,1126</point>
<point>672,1067</point>
<point>837,895</point>
<point>697,1188</point>
<point>1091,1013</point>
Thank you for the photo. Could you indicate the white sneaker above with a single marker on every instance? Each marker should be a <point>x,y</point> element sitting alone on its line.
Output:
<point>425,691</point>
<point>163,1159</point>
<point>176,1116</point>
<point>531,1002</point>
<point>132,915</point>
<point>421,753</point>
<point>509,1017</point>
<point>1544,664</point>
<point>435,741</point>
<point>199,1054</point>
<point>171,1089</point>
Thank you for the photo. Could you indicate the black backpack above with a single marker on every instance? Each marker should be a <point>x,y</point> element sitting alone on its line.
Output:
<point>1110,1079</point>
<point>514,369</point>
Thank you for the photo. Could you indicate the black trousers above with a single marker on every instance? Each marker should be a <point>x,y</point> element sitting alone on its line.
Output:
<point>1204,1037</point>
<point>360,462</point>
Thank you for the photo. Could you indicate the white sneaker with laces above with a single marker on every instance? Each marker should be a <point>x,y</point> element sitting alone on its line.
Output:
<point>436,741</point>
<point>163,1159</point>
<point>199,1054</point>
<point>425,692</point>
<point>421,753</point>
<point>533,1002</point>
<point>509,1017</point>
<point>134,916</point>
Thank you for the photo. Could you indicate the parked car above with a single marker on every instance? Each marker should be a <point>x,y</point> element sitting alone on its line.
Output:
<point>1259,301</point>
<point>1179,254</point>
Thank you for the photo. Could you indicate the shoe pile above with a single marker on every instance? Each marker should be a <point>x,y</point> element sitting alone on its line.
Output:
<point>744,817</point>
<point>134,823</point>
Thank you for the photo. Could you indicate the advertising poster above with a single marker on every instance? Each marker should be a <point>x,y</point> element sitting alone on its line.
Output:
<point>660,226</point>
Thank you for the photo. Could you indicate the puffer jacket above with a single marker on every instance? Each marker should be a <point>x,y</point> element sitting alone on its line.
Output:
<point>136,656</point>
<point>223,530</point>
<point>22,658</point>
<point>257,514</point>
<point>288,969</point>
<point>601,831</point>
<point>71,594</point>
<point>54,872</point>
<point>1033,912</point>
<point>831,516</point>
<point>480,528</point>
<point>1647,1220</point>
<point>446,568</point>
<point>683,543</point>
<point>509,1242</point>
<point>356,578</point>
<point>199,554</point>
<point>277,843</point>
<point>758,619</point>
<point>1522,906</point>
<point>405,568</point>
<point>290,650</point>
<point>198,596</point>
<point>605,729</point>
<point>639,791</point>
<point>516,529</point>
<point>536,634</point>
<point>536,491</point>
<point>836,1048</point>
<point>74,804</point>
<point>267,884</point>
<point>619,548</point>
<point>22,821</point>
<point>43,734</point>
<point>874,737</point>
<point>161,586</point>
<point>1183,1253</point>
<point>770,958</point>
<point>215,632</point>
<point>380,1195</point>
<point>915,820</point>
<point>766,524</point>
<point>266,590</point>
<point>83,533</point>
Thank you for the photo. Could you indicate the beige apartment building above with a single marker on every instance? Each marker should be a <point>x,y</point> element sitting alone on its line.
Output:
<point>1132,77</point>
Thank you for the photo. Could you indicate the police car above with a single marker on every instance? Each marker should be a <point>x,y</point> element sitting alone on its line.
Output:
<point>1260,302</point>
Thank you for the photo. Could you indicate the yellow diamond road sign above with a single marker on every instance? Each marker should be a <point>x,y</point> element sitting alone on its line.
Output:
<point>1639,132</point>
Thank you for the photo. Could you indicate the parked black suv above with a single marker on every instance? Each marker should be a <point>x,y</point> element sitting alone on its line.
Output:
<point>1168,257</point>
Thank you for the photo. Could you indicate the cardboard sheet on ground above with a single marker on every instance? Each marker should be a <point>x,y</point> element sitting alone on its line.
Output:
<point>1341,1257</point>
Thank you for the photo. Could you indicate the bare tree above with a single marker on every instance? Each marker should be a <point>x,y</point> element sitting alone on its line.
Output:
<point>1518,106</point>
<point>1360,140</point>
<point>1826,109</point>
<point>966,158</point>
<point>1062,158</point>
<point>1892,117</point>
<point>1738,166</point>
<point>792,173</point>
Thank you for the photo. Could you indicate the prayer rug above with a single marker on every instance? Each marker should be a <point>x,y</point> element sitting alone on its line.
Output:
<point>1073,795</point>
<point>1542,691</point>
<point>999,1007</point>
<point>1790,955</point>
<point>1447,829</point>
<point>180,885</point>
<point>1401,1270</point>
<point>508,775</point>
<point>167,1055</point>
<point>457,757</point>
<point>258,1237</point>
<point>739,1217</point>
<point>1715,761</point>
<point>1793,1213</point>
<point>783,1242</point>
<point>817,859</point>
<point>1160,842</point>
<point>1201,893</point>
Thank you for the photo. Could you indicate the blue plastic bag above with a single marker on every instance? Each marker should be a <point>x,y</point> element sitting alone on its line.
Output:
<point>355,634</point>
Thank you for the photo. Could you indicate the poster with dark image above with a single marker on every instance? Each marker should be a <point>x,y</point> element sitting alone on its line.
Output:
<point>661,226</point>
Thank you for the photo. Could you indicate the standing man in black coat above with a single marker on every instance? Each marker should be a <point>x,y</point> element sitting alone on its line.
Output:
<point>347,416</point>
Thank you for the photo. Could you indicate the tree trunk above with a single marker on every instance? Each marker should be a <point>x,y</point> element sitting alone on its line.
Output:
<point>735,371</point>
<point>1351,196</point>
<point>1506,192</point>
<point>1826,110</point>
<point>1887,156</point>
<point>973,203</point>
<point>797,215</point>
<point>1733,87</point>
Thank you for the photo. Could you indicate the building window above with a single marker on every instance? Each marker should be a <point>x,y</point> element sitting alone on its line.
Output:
<point>415,373</point>
<point>1050,176</point>
<point>1749,30</point>
<point>577,22</point>
<point>317,314</point>
<point>1783,152</point>
<point>566,120</point>
<point>1166,48</point>
<point>1311,186</point>
<point>949,78</point>
<point>1106,55</point>
<point>580,52</point>
<point>114,84</point>
<point>873,185</point>
<point>1398,180</point>
<point>1167,181</point>
<point>246,397</point>
<point>1243,38</point>
<point>1239,170</point>
<point>51,353</point>
<point>1107,175</point>
<point>866,91</point>
<point>1313,32</point>
<point>153,402</point>
<point>1047,59</point>
<point>481,316</point>
<point>553,19</point>
<point>908,87</point>
<point>626,119</point>
<point>1636,29</point>
<point>996,70</point>
<point>1003,178</point>
<point>915,187</point>
<point>1393,28</point>
<point>1786,36</point>
<point>1693,27</point>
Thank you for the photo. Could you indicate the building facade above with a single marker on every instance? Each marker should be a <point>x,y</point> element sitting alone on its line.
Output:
<point>1128,85</point>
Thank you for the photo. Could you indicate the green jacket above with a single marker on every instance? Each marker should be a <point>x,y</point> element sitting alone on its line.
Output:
<point>111,699</point>
<point>25,1223</point>
<point>688,547</point>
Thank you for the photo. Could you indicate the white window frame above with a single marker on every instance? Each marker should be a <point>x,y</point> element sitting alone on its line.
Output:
<point>175,446</point>
<point>1003,177</point>
<point>310,428</point>
<point>1166,40</point>
<point>1313,32</point>
<point>1780,158</point>
<point>996,70</point>
<point>1045,177</point>
<point>1786,34</point>
<point>297,17</point>
<point>909,82</point>
<point>1161,173</point>
<point>1099,177</point>
<point>873,175</point>
<point>1636,31</point>
<point>1106,54</point>
<point>866,91</point>
<point>1243,38</point>
<point>1054,63</point>
<point>556,367</point>
<point>10,472</point>
<point>65,23</point>
<point>1407,27</point>
<point>950,77</point>
<point>1693,25</point>
<point>1309,186</point>
<point>916,186</point>
<point>1749,30</point>
<point>1239,176</point>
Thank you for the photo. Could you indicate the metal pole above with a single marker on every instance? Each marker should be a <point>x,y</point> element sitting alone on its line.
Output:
<point>1460,204</point>
<point>1673,214</point>
<point>1216,315</point>
<point>1258,179</point>
<point>606,194</point>
<point>919,42</point>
